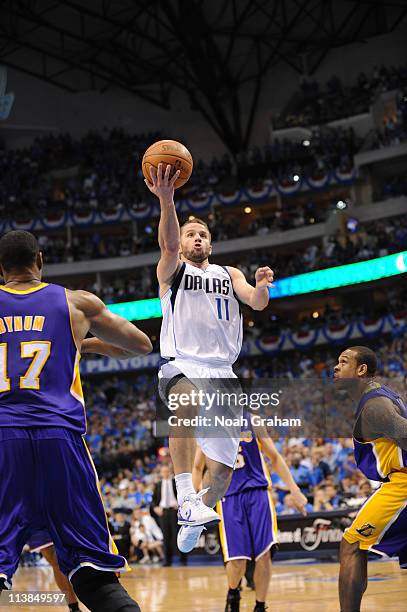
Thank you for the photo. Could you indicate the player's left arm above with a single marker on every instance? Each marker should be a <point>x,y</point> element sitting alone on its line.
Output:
<point>115,336</point>
<point>281,468</point>
<point>99,347</point>
<point>256,297</point>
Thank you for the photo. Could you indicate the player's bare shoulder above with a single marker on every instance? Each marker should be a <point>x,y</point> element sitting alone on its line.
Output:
<point>84,307</point>
<point>234,273</point>
<point>84,302</point>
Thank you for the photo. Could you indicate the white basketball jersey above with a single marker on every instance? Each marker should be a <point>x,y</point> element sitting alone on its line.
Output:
<point>201,317</point>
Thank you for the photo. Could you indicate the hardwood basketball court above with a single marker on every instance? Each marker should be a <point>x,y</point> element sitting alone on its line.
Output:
<point>297,587</point>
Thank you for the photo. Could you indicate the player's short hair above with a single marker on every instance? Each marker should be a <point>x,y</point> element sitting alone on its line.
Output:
<point>365,356</point>
<point>18,250</point>
<point>196,220</point>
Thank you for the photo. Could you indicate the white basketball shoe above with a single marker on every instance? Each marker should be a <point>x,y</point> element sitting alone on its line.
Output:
<point>193,512</point>
<point>188,537</point>
<point>193,515</point>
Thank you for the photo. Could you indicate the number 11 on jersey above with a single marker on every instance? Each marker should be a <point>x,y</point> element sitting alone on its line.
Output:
<point>225,308</point>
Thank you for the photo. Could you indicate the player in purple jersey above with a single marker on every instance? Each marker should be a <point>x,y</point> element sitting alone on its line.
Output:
<point>248,529</point>
<point>380,440</point>
<point>49,480</point>
<point>41,542</point>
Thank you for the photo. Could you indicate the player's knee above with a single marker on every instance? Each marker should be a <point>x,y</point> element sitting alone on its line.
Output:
<point>238,565</point>
<point>264,561</point>
<point>102,591</point>
<point>348,550</point>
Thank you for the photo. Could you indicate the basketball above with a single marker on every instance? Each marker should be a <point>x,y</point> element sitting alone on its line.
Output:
<point>168,152</point>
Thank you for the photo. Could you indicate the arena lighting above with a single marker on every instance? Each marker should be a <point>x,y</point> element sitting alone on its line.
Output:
<point>341,205</point>
<point>331,278</point>
<point>306,143</point>
<point>137,310</point>
<point>248,210</point>
<point>296,178</point>
<point>341,276</point>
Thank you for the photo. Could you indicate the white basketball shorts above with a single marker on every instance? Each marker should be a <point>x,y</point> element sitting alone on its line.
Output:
<point>219,441</point>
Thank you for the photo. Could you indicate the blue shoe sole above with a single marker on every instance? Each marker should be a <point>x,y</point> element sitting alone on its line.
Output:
<point>194,524</point>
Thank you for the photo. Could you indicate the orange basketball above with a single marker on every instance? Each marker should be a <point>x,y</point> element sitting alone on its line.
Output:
<point>168,152</point>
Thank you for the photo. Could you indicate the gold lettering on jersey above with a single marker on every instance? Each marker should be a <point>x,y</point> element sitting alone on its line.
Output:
<point>21,323</point>
<point>38,323</point>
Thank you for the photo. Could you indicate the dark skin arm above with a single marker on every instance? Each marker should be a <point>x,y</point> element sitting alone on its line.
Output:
<point>114,336</point>
<point>94,345</point>
<point>380,418</point>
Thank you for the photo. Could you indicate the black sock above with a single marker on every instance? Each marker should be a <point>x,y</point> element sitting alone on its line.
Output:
<point>260,605</point>
<point>234,592</point>
<point>102,591</point>
<point>74,607</point>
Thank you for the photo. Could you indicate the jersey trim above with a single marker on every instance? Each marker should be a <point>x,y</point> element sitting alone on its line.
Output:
<point>70,320</point>
<point>176,284</point>
<point>111,543</point>
<point>23,291</point>
<point>239,302</point>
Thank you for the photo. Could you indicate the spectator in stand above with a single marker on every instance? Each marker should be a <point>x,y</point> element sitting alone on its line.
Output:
<point>320,468</point>
<point>146,537</point>
<point>331,495</point>
<point>164,506</point>
<point>359,492</point>
<point>325,498</point>
<point>301,474</point>
<point>372,239</point>
<point>314,104</point>
<point>119,528</point>
<point>288,507</point>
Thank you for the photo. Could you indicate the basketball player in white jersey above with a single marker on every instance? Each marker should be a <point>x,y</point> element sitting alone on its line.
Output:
<point>201,336</point>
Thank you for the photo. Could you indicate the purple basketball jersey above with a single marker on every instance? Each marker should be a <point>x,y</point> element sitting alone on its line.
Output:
<point>40,383</point>
<point>250,470</point>
<point>380,457</point>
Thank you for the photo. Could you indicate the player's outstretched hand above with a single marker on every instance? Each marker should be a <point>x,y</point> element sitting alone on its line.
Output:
<point>161,184</point>
<point>300,501</point>
<point>264,277</point>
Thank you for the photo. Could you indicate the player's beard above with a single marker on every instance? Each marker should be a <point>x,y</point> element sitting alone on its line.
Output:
<point>197,256</point>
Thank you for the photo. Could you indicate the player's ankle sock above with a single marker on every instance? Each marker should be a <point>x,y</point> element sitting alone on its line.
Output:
<point>234,593</point>
<point>184,486</point>
<point>74,607</point>
<point>260,606</point>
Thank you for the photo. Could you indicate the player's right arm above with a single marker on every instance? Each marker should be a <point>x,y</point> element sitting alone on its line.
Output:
<point>168,230</point>
<point>380,418</point>
<point>114,335</point>
<point>280,467</point>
